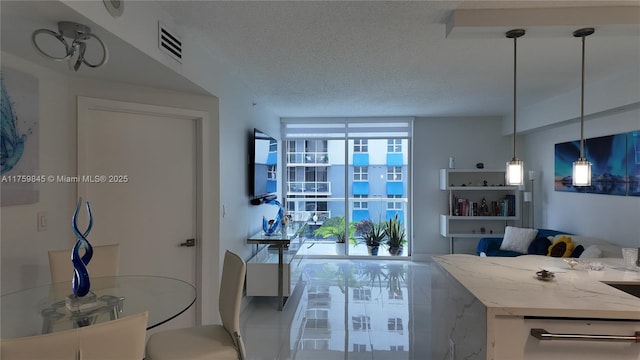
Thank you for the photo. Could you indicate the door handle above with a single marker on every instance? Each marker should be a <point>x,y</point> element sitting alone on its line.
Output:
<point>542,334</point>
<point>189,243</point>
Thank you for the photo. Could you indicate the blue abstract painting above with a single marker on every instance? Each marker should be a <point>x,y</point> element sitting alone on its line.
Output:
<point>611,165</point>
<point>633,162</point>
<point>19,138</point>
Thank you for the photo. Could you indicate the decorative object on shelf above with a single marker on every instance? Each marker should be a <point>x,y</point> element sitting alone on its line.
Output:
<point>582,167</point>
<point>515,167</point>
<point>81,282</point>
<point>270,226</point>
<point>74,52</point>
<point>480,165</point>
<point>396,236</point>
<point>452,162</point>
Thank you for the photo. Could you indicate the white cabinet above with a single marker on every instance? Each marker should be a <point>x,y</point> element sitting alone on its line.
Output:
<point>479,204</point>
<point>262,272</point>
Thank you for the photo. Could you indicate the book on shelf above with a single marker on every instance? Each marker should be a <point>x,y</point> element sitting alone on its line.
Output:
<point>465,207</point>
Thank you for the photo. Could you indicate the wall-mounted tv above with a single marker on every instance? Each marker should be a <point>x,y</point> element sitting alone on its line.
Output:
<point>263,167</point>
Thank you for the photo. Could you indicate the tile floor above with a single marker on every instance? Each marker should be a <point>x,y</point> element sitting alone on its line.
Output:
<point>347,309</point>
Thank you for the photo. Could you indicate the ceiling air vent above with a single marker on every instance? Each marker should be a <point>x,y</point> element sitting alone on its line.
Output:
<point>169,42</point>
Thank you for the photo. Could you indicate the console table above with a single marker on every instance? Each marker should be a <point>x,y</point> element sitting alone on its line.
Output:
<point>280,241</point>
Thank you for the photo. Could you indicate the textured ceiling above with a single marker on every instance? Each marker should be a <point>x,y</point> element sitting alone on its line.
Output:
<point>370,58</point>
<point>360,58</point>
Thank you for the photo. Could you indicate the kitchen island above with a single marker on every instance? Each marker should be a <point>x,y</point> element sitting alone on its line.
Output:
<point>487,307</point>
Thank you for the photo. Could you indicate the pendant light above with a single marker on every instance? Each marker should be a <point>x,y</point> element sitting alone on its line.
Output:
<point>515,167</point>
<point>582,167</point>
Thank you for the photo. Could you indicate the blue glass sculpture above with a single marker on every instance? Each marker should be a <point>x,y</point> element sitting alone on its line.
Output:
<point>81,283</point>
<point>270,229</point>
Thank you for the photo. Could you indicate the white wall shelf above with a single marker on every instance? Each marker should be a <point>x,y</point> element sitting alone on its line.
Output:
<point>464,216</point>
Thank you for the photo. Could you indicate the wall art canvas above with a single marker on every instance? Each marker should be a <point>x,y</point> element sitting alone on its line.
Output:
<point>633,162</point>
<point>19,141</point>
<point>609,156</point>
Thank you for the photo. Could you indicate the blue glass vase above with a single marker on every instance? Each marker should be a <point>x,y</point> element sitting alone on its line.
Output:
<point>81,282</point>
<point>270,229</point>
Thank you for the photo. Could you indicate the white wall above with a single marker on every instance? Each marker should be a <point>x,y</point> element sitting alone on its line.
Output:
<point>24,250</point>
<point>613,218</point>
<point>24,265</point>
<point>469,140</point>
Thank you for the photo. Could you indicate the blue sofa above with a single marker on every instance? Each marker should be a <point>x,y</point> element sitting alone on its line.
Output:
<point>539,246</point>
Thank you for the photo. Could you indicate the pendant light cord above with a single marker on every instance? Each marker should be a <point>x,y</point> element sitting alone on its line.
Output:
<point>582,104</point>
<point>515,34</point>
<point>582,33</point>
<point>515,67</point>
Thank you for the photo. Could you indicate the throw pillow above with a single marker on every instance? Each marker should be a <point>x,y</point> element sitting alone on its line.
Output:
<point>517,239</point>
<point>539,245</point>
<point>591,252</point>
<point>561,246</point>
<point>577,251</point>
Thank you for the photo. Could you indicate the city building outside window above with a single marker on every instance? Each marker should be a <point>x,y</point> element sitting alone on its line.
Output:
<point>394,173</point>
<point>359,204</point>
<point>394,205</point>
<point>394,145</point>
<point>346,168</point>
<point>360,145</point>
<point>360,173</point>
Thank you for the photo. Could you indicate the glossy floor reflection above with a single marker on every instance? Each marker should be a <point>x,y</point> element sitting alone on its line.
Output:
<point>366,309</point>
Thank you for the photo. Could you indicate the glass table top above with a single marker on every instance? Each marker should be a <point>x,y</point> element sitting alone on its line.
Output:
<point>42,309</point>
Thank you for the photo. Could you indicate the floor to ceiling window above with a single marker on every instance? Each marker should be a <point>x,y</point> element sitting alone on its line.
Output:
<point>345,180</point>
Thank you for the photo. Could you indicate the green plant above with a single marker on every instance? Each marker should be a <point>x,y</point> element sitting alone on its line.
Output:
<point>372,233</point>
<point>394,230</point>
<point>335,227</point>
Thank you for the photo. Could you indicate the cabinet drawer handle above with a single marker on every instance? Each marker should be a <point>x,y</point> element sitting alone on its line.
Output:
<point>542,334</point>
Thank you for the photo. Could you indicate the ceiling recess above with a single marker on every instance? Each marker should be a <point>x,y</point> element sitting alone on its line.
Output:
<point>169,42</point>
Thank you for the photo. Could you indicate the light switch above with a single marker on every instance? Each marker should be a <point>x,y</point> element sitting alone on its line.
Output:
<point>42,221</point>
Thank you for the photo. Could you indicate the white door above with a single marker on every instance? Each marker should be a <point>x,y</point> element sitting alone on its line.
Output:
<point>141,160</point>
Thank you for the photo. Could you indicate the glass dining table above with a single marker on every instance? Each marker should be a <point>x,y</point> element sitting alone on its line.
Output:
<point>45,309</point>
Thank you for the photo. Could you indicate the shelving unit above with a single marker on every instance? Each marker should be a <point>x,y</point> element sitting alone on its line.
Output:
<point>466,187</point>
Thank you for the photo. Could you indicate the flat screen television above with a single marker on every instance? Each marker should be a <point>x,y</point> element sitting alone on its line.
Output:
<point>263,167</point>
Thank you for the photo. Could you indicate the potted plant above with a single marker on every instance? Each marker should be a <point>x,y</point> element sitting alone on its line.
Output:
<point>372,234</point>
<point>335,227</point>
<point>396,236</point>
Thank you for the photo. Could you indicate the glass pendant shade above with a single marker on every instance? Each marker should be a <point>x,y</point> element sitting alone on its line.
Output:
<point>515,172</point>
<point>581,172</point>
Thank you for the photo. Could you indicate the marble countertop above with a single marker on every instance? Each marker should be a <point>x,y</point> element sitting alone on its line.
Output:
<point>508,286</point>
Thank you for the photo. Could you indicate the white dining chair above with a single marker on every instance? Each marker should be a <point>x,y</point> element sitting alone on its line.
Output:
<point>122,339</point>
<point>103,263</point>
<point>209,341</point>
